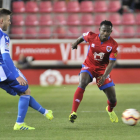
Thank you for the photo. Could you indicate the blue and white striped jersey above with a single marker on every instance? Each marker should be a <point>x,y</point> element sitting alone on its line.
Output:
<point>6,63</point>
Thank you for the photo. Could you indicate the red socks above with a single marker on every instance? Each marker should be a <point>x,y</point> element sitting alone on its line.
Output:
<point>78,96</point>
<point>111,105</point>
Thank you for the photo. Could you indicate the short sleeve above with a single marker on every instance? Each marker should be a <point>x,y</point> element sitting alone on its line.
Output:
<point>86,36</point>
<point>113,54</point>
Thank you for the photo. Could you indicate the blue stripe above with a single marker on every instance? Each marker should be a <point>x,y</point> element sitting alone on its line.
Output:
<point>24,128</point>
<point>107,86</point>
<point>21,127</point>
<point>112,58</point>
<point>7,50</point>
<point>81,88</point>
<point>88,73</point>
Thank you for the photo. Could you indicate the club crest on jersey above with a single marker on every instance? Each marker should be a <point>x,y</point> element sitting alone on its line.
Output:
<point>108,48</point>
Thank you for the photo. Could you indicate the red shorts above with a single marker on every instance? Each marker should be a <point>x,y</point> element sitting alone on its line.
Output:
<point>95,74</point>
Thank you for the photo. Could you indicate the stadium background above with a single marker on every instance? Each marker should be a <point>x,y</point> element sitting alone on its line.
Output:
<point>44,30</point>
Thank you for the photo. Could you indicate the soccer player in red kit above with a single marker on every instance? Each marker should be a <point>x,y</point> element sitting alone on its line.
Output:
<point>98,64</point>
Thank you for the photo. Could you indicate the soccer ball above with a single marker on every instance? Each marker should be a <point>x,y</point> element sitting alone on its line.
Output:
<point>130,116</point>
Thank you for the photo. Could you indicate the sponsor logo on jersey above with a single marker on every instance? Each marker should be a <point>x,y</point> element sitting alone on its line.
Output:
<point>99,56</point>
<point>93,45</point>
<point>108,48</point>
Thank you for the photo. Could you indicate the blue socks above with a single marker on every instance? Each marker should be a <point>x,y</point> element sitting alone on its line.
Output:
<point>24,102</point>
<point>35,105</point>
<point>22,107</point>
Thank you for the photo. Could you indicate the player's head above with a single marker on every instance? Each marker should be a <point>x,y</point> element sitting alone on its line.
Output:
<point>105,30</point>
<point>4,18</point>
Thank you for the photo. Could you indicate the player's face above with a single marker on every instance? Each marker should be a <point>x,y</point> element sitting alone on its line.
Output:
<point>6,22</point>
<point>105,31</point>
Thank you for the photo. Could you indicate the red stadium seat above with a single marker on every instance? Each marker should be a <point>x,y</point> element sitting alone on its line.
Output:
<point>45,7</point>
<point>137,19</point>
<point>59,6</point>
<point>59,32</point>
<point>128,19</point>
<point>73,19</point>
<point>100,6</point>
<point>114,6</point>
<point>45,20</point>
<point>18,7</point>
<point>86,6</point>
<point>116,32</point>
<point>87,19</point>
<point>137,34</point>
<point>72,32</point>
<point>31,7</point>
<point>31,20</point>
<point>59,19</point>
<point>128,32</point>
<point>86,29</point>
<point>18,20</point>
<point>73,6</point>
<point>98,18</point>
<point>96,29</point>
<point>115,18</point>
<point>44,32</point>
<point>30,33</point>
<point>17,33</point>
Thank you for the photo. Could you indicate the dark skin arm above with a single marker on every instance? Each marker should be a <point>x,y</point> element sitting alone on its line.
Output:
<point>78,41</point>
<point>107,71</point>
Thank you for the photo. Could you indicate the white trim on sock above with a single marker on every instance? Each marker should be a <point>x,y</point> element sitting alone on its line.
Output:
<point>20,123</point>
<point>46,111</point>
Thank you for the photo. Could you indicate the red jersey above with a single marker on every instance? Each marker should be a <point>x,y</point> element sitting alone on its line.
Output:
<point>99,53</point>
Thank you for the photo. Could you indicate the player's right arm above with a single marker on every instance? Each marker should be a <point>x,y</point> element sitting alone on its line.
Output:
<point>8,61</point>
<point>78,41</point>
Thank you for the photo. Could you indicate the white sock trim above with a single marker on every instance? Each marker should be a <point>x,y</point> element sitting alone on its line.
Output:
<point>46,111</point>
<point>20,123</point>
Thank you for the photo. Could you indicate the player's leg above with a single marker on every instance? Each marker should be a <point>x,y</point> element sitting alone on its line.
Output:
<point>112,101</point>
<point>35,105</point>
<point>84,80</point>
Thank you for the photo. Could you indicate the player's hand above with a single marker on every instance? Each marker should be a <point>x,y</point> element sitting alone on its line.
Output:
<point>21,81</point>
<point>101,80</point>
<point>74,46</point>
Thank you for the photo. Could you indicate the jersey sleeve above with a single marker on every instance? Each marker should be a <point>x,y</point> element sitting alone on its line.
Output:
<point>113,54</point>
<point>87,35</point>
<point>6,57</point>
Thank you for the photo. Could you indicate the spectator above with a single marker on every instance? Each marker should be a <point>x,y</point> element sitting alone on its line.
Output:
<point>129,6</point>
<point>24,62</point>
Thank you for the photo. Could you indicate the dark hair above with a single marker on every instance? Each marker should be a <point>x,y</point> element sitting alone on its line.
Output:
<point>4,12</point>
<point>106,22</point>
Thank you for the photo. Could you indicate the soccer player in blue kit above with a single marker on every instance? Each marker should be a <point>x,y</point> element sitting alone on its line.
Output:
<point>13,81</point>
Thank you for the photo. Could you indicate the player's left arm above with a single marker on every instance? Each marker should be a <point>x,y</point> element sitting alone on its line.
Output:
<point>112,60</point>
<point>107,72</point>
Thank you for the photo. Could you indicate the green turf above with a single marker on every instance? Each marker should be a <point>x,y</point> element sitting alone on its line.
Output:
<point>92,123</point>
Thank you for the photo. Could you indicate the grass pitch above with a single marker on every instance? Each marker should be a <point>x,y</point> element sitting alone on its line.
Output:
<point>93,122</point>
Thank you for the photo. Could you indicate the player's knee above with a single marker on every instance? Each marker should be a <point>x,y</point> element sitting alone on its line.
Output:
<point>83,83</point>
<point>113,100</point>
